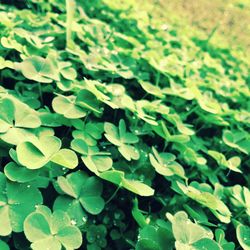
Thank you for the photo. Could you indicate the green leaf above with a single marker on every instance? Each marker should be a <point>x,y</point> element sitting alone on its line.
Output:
<point>39,69</point>
<point>135,186</point>
<point>83,190</point>
<point>239,140</point>
<point>243,236</point>
<point>217,207</point>
<point>15,120</point>
<point>187,232</point>
<point>67,70</point>
<point>239,196</point>
<point>70,237</point>
<point>15,172</point>
<point>4,246</point>
<point>189,235</point>
<point>65,157</point>
<point>87,100</point>
<point>52,231</point>
<point>36,227</point>
<point>5,221</point>
<point>66,106</point>
<point>165,164</point>
<point>36,153</point>
<point>152,89</point>
<point>94,160</point>
<point>16,202</point>
<point>206,244</point>
<point>122,139</point>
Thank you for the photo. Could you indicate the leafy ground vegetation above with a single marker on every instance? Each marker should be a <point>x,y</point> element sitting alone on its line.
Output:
<point>119,132</point>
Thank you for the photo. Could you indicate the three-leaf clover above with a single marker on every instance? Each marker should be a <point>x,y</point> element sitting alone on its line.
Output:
<point>89,132</point>
<point>135,186</point>
<point>122,139</point>
<point>240,196</point>
<point>79,193</point>
<point>48,230</point>
<point>96,235</point>
<point>16,202</point>
<point>35,153</point>
<point>217,206</point>
<point>155,237</point>
<point>163,131</point>
<point>237,139</point>
<point>94,160</point>
<point>189,235</point>
<point>39,69</point>
<point>16,118</point>
<point>233,163</point>
<point>73,107</point>
<point>165,164</point>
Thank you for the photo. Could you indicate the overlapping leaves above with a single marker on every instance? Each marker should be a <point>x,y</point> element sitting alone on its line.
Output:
<point>154,111</point>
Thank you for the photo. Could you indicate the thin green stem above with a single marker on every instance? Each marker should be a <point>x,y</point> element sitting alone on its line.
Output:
<point>158,77</point>
<point>70,7</point>
<point>113,195</point>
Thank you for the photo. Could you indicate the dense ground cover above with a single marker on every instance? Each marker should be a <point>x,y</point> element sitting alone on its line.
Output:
<point>118,131</point>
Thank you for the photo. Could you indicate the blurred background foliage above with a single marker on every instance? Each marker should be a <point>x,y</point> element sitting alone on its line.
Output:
<point>228,21</point>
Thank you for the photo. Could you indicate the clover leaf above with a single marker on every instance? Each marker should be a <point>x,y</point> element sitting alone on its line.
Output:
<point>151,89</point>
<point>141,109</point>
<point>16,202</point>
<point>189,235</point>
<point>122,139</point>
<point>86,99</point>
<point>39,69</point>
<point>163,131</point>
<point>3,245</point>
<point>198,215</point>
<point>243,236</point>
<point>66,106</point>
<point>94,160</point>
<point>16,118</point>
<point>240,196</point>
<point>165,164</point>
<point>15,172</point>
<point>135,186</point>
<point>155,237</point>
<point>237,139</point>
<point>96,235</point>
<point>89,132</point>
<point>220,238</point>
<point>67,71</point>
<point>233,163</point>
<point>35,153</point>
<point>73,107</point>
<point>217,207</point>
<point>48,230</point>
<point>176,120</point>
<point>80,193</point>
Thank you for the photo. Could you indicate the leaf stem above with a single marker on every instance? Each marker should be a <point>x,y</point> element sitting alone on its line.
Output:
<point>113,195</point>
<point>70,7</point>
